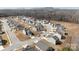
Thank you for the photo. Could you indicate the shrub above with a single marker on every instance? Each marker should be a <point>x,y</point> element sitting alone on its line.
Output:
<point>67,49</point>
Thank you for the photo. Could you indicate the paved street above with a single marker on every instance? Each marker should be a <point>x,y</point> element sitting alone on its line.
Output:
<point>11,35</point>
<point>15,42</point>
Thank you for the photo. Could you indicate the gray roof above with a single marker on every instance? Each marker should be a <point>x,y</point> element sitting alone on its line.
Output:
<point>30,49</point>
<point>56,38</point>
<point>43,45</point>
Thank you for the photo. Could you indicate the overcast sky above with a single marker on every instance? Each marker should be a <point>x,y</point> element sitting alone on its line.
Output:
<point>38,3</point>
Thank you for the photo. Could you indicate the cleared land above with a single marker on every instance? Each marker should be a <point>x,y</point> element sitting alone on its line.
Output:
<point>72,39</point>
<point>4,36</point>
<point>21,36</point>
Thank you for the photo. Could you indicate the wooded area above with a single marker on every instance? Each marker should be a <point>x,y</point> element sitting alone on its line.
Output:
<point>48,13</point>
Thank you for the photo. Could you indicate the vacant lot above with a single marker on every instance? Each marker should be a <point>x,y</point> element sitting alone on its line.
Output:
<point>73,34</point>
<point>4,36</point>
<point>21,36</point>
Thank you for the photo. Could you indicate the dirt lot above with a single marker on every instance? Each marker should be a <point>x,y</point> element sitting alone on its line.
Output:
<point>73,34</point>
<point>4,36</point>
<point>21,36</point>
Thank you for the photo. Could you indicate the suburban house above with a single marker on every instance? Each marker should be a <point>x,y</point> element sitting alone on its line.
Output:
<point>60,29</point>
<point>43,45</point>
<point>30,48</point>
<point>40,27</point>
<point>54,38</point>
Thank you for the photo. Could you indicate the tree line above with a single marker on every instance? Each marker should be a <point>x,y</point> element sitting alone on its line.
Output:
<point>48,13</point>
